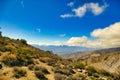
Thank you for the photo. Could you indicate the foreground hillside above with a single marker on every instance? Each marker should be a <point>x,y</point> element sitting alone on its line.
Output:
<point>20,61</point>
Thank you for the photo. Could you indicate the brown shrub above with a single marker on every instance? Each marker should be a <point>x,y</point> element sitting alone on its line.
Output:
<point>58,76</point>
<point>18,73</point>
<point>42,69</point>
<point>40,75</point>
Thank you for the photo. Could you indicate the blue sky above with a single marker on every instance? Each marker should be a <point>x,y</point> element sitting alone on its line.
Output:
<point>60,22</point>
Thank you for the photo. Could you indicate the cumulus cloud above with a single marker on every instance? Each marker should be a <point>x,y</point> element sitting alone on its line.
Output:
<point>80,11</point>
<point>70,4</point>
<point>107,37</point>
<point>76,41</point>
<point>94,8</point>
<point>104,38</point>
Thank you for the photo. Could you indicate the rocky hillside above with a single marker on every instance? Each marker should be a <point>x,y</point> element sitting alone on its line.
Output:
<point>21,61</point>
<point>109,62</point>
<point>107,59</point>
<point>82,55</point>
<point>18,60</point>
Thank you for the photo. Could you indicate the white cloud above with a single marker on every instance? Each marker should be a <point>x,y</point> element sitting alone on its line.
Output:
<point>76,41</point>
<point>70,4</point>
<point>62,35</point>
<point>66,15</point>
<point>107,37</point>
<point>104,38</point>
<point>79,12</point>
<point>94,8</point>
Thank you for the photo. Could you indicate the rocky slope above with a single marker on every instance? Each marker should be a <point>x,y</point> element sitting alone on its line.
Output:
<point>21,61</point>
<point>107,59</point>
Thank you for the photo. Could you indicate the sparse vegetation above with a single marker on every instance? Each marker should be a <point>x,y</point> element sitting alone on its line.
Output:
<point>18,72</point>
<point>42,69</point>
<point>23,59</point>
<point>0,33</point>
<point>15,60</point>
<point>59,76</point>
<point>40,75</point>
<point>31,67</point>
<point>91,70</point>
<point>79,65</point>
<point>116,76</point>
<point>105,73</point>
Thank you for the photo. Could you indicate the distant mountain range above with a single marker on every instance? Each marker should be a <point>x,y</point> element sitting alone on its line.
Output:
<point>62,50</point>
<point>79,55</point>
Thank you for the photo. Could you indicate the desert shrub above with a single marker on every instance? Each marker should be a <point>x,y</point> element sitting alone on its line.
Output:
<point>0,32</point>
<point>44,59</point>
<point>57,69</point>
<point>18,73</point>
<point>31,67</point>
<point>22,52</point>
<point>23,41</point>
<point>93,78</point>
<point>48,60</point>
<point>82,77</point>
<point>105,73</point>
<point>91,70</point>
<point>58,76</point>
<point>79,65</point>
<point>15,60</point>
<point>96,75</point>
<point>24,60</point>
<point>3,49</point>
<point>42,69</point>
<point>40,75</point>
<point>10,60</point>
<point>65,71</point>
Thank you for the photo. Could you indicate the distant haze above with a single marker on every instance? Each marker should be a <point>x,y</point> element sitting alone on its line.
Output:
<point>61,50</point>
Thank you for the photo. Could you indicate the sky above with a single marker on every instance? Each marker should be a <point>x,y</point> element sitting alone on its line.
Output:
<point>87,23</point>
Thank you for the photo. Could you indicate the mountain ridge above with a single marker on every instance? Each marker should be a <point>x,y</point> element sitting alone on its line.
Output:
<point>64,49</point>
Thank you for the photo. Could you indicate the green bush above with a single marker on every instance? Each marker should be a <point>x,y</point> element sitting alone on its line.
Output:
<point>15,60</point>
<point>23,41</point>
<point>91,70</point>
<point>0,33</point>
<point>105,73</point>
<point>79,65</point>
<point>10,60</point>
<point>18,73</point>
<point>40,75</point>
